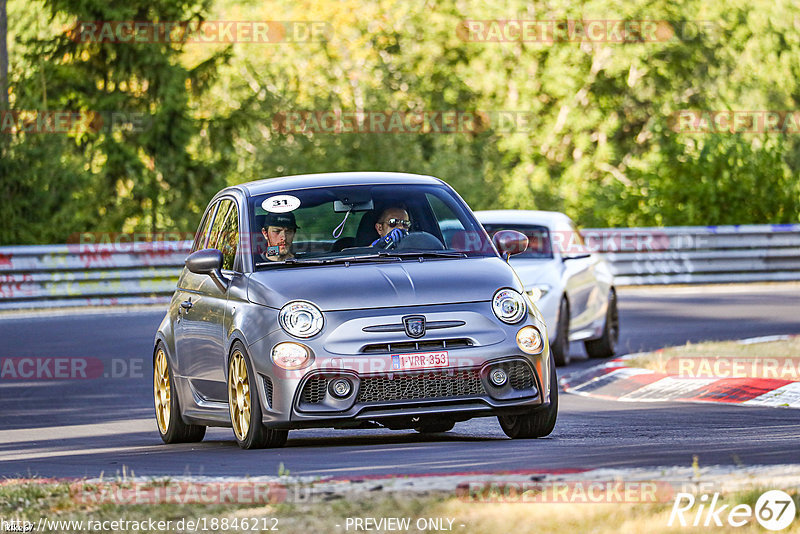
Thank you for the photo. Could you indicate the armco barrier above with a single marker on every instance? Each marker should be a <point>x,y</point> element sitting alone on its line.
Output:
<point>69,275</point>
<point>74,275</point>
<point>708,254</point>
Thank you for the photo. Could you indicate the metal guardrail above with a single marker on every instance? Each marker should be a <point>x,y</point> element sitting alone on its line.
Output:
<point>145,273</point>
<point>51,276</point>
<point>708,254</point>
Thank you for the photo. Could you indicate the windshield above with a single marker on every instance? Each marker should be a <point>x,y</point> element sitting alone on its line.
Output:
<point>363,223</point>
<point>539,243</point>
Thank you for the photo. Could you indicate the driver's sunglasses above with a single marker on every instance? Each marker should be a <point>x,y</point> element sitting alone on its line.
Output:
<point>398,222</point>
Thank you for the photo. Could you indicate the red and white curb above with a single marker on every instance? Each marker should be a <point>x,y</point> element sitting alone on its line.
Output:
<point>615,380</point>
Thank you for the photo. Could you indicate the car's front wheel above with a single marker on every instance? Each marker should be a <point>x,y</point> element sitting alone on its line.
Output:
<point>606,346</point>
<point>245,405</point>
<point>168,412</point>
<point>538,423</point>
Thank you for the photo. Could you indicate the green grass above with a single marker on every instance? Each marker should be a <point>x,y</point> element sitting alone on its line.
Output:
<point>323,512</point>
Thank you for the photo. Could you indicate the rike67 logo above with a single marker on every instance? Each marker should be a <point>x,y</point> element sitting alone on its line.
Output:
<point>774,510</point>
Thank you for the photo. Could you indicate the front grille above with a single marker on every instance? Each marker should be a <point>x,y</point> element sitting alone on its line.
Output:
<point>268,389</point>
<point>520,375</point>
<point>314,390</point>
<point>428,344</point>
<point>420,386</point>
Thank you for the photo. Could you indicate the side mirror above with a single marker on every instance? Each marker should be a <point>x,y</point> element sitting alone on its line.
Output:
<point>510,242</point>
<point>208,262</point>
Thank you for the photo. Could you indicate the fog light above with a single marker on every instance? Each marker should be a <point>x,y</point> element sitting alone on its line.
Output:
<point>498,377</point>
<point>529,340</point>
<point>341,387</point>
<point>290,355</point>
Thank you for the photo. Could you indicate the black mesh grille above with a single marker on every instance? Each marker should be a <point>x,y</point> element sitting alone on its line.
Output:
<point>520,375</point>
<point>314,390</point>
<point>420,386</point>
<point>427,344</point>
<point>268,389</point>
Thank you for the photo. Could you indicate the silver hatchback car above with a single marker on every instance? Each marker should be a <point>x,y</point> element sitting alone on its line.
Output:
<point>337,300</point>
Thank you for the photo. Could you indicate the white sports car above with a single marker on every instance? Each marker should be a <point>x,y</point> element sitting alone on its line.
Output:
<point>573,288</point>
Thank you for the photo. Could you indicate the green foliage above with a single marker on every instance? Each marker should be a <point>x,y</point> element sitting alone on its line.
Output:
<point>599,144</point>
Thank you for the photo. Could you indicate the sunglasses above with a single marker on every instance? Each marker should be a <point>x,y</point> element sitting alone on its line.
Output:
<point>393,223</point>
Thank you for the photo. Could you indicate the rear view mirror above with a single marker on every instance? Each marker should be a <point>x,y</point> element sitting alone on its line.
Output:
<point>341,207</point>
<point>510,242</point>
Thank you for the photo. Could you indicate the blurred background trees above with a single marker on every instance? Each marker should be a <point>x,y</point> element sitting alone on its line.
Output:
<point>599,145</point>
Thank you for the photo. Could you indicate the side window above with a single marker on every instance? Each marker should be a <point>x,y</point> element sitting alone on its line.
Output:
<point>202,231</point>
<point>449,225</point>
<point>216,226</point>
<point>226,239</point>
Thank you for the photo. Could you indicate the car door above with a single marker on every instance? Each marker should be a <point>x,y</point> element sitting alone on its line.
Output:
<point>200,338</point>
<point>579,277</point>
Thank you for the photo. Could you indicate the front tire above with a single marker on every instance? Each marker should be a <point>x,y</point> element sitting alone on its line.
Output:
<point>171,427</point>
<point>538,423</point>
<point>245,405</point>
<point>560,345</point>
<point>606,346</point>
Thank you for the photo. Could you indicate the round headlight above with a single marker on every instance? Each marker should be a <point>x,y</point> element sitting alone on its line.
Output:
<point>290,355</point>
<point>301,319</point>
<point>529,340</point>
<point>509,306</point>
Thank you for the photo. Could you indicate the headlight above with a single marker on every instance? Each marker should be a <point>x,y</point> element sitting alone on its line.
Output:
<point>529,340</point>
<point>301,319</point>
<point>538,291</point>
<point>290,355</point>
<point>508,306</point>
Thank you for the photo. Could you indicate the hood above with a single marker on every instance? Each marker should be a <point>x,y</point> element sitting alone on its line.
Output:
<point>537,270</point>
<point>383,285</point>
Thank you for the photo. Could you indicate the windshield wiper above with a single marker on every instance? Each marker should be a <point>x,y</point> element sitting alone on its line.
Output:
<point>426,254</point>
<point>380,256</point>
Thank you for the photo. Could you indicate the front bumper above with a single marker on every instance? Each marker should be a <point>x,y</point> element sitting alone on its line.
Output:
<point>403,398</point>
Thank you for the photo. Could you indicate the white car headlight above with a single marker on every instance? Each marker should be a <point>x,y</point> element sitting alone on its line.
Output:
<point>529,340</point>
<point>538,291</point>
<point>301,319</point>
<point>288,355</point>
<point>509,306</point>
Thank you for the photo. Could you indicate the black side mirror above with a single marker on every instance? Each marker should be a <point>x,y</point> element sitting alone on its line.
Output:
<point>510,242</point>
<point>208,262</point>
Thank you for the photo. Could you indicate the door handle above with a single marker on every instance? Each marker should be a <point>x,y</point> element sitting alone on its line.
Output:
<point>187,304</point>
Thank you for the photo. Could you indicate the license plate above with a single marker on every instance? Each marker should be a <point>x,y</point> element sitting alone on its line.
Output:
<point>420,360</point>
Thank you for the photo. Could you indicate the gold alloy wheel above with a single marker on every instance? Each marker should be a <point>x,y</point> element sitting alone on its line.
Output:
<point>161,390</point>
<point>239,395</point>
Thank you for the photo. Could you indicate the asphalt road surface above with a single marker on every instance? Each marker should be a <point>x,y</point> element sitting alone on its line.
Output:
<point>77,428</point>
